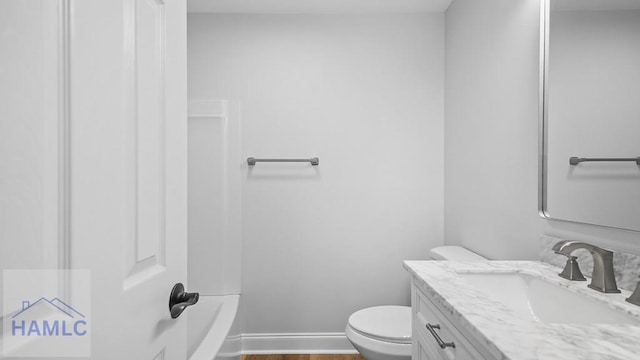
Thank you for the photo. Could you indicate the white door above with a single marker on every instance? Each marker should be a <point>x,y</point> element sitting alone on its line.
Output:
<point>119,164</point>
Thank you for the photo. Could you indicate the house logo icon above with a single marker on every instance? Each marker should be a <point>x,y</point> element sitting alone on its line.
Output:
<point>48,313</point>
<point>48,317</point>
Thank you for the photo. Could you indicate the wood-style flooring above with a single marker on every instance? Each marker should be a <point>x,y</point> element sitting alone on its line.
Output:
<point>302,357</point>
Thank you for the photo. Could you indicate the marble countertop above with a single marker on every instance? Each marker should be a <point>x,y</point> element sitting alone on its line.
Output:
<point>508,336</point>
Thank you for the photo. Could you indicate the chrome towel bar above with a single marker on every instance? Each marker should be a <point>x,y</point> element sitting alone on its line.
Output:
<point>314,160</point>
<point>576,160</point>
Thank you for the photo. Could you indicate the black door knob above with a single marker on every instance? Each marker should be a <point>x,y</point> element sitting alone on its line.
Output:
<point>180,299</point>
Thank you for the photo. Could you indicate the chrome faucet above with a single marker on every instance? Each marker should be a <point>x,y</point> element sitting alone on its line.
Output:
<point>603,278</point>
<point>635,297</point>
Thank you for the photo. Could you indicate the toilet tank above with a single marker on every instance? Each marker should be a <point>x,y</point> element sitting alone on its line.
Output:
<point>455,253</point>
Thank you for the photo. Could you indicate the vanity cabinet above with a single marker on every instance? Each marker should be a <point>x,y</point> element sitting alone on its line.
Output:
<point>513,310</point>
<point>426,345</point>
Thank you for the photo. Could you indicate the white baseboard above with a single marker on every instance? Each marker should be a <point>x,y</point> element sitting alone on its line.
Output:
<point>297,343</point>
<point>231,348</point>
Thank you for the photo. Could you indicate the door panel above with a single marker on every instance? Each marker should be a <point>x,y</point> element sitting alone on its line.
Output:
<point>128,113</point>
<point>32,140</point>
<point>146,101</point>
<point>93,165</point>
<point>30,167</point>
<point>93,154</point>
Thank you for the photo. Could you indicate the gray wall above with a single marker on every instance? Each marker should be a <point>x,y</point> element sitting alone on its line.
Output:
<point>491,134</point>
<point>364,93</point>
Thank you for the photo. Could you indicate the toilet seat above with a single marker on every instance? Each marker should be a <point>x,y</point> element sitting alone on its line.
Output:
<point>384,323</point>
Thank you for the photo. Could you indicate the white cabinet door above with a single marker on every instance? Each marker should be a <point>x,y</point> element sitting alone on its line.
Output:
<point>426,343</point>
<point>128,171</point>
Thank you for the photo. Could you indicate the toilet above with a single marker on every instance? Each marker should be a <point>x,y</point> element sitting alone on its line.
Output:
<point>384,332</point>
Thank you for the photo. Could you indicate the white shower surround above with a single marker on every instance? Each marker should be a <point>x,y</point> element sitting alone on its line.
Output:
<point>214,227</point>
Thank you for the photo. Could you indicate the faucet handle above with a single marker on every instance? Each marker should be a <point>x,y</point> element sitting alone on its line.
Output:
<point>572,271</point>
<point>635,297</point>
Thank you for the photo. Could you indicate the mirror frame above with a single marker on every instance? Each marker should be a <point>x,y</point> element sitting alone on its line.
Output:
<point>545,17</point>
<point>542,109</point>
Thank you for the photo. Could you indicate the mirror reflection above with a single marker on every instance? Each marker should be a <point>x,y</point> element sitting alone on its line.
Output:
<point>592,112</point>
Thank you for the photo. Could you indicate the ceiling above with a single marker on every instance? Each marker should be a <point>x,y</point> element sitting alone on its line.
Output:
<point>316,6</point>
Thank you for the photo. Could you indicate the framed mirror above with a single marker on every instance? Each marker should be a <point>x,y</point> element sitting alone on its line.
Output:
<point>590,112</point>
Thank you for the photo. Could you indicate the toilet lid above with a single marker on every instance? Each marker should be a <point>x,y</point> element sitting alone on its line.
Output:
<point>390,323</point>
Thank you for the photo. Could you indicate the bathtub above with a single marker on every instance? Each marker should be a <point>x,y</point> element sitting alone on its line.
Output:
<point>209,325</point>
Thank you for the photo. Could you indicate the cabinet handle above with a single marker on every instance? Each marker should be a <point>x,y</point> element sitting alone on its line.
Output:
<point>442,344</point>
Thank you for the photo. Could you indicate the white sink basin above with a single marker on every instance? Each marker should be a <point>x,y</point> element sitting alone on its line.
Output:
<point>533,298</point>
